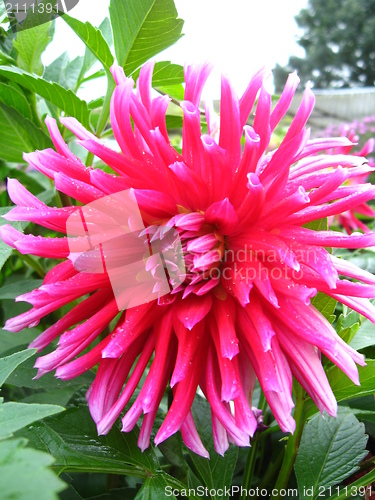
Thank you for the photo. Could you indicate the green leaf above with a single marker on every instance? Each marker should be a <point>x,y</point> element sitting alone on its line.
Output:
<point>5,253</point>
<point>318,225</point>
<point>93,39</point>
<point>218,471</point>
<point>64,72</point>
<point>19,288</point>
<point>89,58</point>
<point>344,389</point>
<point>13,96</point>
<point>364,337</point>
<point>330,451</point>
<point>64,99</point>
<point>347,326</point>
<point>142,29</point>
<point>10,363</point>
<point>15,416</point>
<point>73,440</point>
<point>326,305</point>
<point>165,74</point>
<point>160,486</point>
<point>25,474</point>
<point>19,135</point>
<point>30,45</point>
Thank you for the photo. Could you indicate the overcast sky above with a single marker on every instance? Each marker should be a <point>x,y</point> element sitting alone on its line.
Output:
<point>238,36</point>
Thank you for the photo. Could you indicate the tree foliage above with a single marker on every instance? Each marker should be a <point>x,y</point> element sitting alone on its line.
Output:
<point>339,42</point>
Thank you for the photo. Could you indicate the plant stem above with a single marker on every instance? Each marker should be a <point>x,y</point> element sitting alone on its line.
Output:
<point>252,455</point>
<point>104,115</point>
<point>33,263</point>
<point>291,449</point>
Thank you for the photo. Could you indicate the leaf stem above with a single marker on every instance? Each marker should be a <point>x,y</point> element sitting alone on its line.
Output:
<point>291,449</point>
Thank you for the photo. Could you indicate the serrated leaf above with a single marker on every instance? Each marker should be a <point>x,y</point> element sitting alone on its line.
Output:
<point>10,363</point>
<point>218,471</point>
<point>63,98</point>
<point>15,416</point>
<point>30,45</point>
<point>12,96</point>
<point>93,39</point>
<point>330,451</point>
<point>73,440</point>
<point>25,474</point>
<point>142,29</point>
<point>318,225</point>
<point>19,135</point>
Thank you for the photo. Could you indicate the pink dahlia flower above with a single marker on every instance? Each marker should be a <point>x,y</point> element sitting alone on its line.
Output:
<point>349,219</point>
<point>242,310</point>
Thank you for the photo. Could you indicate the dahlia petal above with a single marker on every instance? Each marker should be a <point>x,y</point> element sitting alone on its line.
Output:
<point>191,437</point>
<point>223,215</point>
<point>349,269</point>
<point>183,397</point>
<point>21,196</point>
<point>229,372</point>
<point>307,367</point>
<point>262,118</point>
<point>220,411</point>
<point>188,343</point>
<point>80,191</point>
<point>192,150</point>
<point>144,84</point>
<point>225,315</point>
<point>302,115</point>
<point>57,139</point>
<point>285,100</point>
<point>136,321</point>
<point>326,238</point>
<point>248,99</point>
<point>159,108</point>
<point>79,313</point>
<point>195,78</point>
<point>108,419</point>
<point>193,309</point>
<point>50,217</point>
<point>220,436</point>
<point>75,368</point>
<point>230,124</point>
<point>10,235</point>
<point>76,128</point>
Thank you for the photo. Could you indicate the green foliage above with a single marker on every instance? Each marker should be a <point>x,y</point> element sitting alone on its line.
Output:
<point>217,472</point>
<point>64,99</point>
<point>25,473</point>
<point>142,29</point>
<point>93,39</point>
<point>338,39</point>
<point>19,135</point>
<point>330,451</point>
<point>10,363</point>
<point>30,45</point>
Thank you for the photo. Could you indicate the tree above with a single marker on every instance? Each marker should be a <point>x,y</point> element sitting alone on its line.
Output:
<point>339,42</point>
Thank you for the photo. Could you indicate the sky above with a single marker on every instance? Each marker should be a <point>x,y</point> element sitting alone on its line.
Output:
<point>237,36</point>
